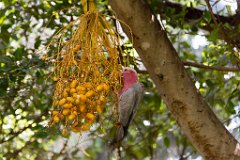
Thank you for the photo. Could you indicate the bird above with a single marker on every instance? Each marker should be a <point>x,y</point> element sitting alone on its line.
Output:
<point>129,99</point>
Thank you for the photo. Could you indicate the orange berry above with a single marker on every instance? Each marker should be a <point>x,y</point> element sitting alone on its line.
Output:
<point>83,98</point>
<point>70,99</point>
<point>56,119</point>
<point>65,112</point>
<point>65,132</point>
<point>68,105</point>
<point>90,93</point>
<point>88,85</point>
<point>99,88</point>
<point>103,99</point>
<point>73,84</point>
<point>106,87</point>
<point>54,113</point>
<point>73,90</point>
<point>75,95</point>
<point>62,102</point>
<point>83,108</point>
<point>81,88</point>
<point>90,117</point>
<point>77,101</point>
<point>71,116</point>
<point>99,108</point>
<point>85,128</point>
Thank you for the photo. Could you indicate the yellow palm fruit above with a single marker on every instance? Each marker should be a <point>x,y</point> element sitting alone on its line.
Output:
<point>67,89</point>
<point>62,102</point>
<point>73,84</point>
<point>71,116</point>
<point>83,108</point>
<point>70,99</point>
<point>54,113</point>
<point>88,85</point>
<point>106,87</point>
<point>75,95</point>
<point>81,88</point>
<point>65,132</point>
<point>65,112</point>
<point>76,129</point>
<point>56,119</point>
<point>90,93</point>
<point>77,101</point>
<point>99,108</point>
<point>90,117</point>
<point>83,98</point>
<point>85,127</point>
<point>103,99</point>
<point>68,105</point>
<point>99,88</point>
<point>73,90</point>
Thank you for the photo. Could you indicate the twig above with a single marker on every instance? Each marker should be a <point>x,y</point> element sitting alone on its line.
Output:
<point>218,68</point>
<point>199,65</point>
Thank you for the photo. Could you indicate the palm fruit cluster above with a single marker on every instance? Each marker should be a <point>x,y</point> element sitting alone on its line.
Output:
<point>79,105</point>
<point>87,72</point>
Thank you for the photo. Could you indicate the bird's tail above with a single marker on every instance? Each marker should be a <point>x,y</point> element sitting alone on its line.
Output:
<point>118,137</point>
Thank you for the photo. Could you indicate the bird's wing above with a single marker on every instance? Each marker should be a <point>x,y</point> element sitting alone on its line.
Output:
<point>128,103</point>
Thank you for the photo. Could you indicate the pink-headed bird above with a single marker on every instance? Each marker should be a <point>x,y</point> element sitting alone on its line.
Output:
<point>129,99</point>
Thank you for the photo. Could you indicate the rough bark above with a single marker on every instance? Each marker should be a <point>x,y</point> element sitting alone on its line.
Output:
<point>178,91</point>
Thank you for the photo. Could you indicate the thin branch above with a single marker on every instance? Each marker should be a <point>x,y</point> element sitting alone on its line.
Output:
<point>199,65</point>
<point>218,68</point>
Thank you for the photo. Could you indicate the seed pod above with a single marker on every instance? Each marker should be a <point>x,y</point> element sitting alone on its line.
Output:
<point>62,102</point>
<point>73,84</point>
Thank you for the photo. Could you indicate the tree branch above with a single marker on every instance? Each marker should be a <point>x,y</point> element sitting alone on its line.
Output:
<point>218,68</point>
<point>194,116</point>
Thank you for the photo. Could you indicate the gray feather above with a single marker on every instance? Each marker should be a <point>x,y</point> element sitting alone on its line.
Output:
<point>128,104</point>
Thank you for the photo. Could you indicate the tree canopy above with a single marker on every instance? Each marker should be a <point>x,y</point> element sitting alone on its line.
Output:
<point>205,36</point>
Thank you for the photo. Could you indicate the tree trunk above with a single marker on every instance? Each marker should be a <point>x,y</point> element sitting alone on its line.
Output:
<point>178,91</point>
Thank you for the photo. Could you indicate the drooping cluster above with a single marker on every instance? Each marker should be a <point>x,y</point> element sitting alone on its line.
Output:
<point>87,72</point>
